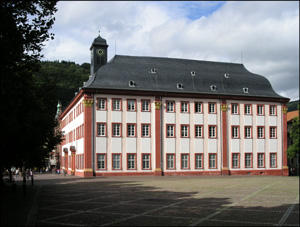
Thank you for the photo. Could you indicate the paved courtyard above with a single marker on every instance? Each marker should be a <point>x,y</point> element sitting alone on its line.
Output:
<point>58,200</point>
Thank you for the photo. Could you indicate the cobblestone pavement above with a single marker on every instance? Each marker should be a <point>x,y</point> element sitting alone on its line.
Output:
<point>58,200</point>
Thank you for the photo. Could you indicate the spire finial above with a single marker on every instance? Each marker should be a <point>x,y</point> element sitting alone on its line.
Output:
<point>99,32</point>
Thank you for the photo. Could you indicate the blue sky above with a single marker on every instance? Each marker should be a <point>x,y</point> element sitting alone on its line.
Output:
<point>267,33</point>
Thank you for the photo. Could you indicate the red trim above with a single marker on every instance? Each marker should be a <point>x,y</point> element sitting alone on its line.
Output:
<point>97,106</point>
<point>263,161</point>
<point>275,110</point>
<point>188,156</point>
<point>188,106</point>
<point>251,155</point>
<point>188,131</point>
<point>202,166</point>
<point>251,132</point>
<point>149,130</point>
<point>215,107</point>
<point>275,127</point>
<point>216,132</point>
<point>134,105</point>
<point>284,145</point>
<point>158,142</point>
<point>174,109</point>
<point>134,154</point>
<point>263,132</point>
<point>202,132</point>
<point>105,131</point>
<point>174,161</point>
<point>238,161</point>
<point>224,140</point>
<point>238,109</point>
<point>263,109</point>
<point>150,166</point>
<point>238,131</point>
<point>201,103</point>
<point>105,161</point>
<point>272,172</point>
<point>149,105</point>
<point>134,130</point>
<point>112,131</point>
<point>112,161</point>
<point>245,109</point>
<point>112,104</point>
<point>174,130</point>
<point>72,104</point>
<point>215,161</point>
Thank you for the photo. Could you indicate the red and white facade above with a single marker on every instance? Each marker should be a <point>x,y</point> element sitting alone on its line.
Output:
<point>110,133</point>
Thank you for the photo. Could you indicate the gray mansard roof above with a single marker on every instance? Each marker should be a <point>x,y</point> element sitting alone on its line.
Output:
<point>170,73</point>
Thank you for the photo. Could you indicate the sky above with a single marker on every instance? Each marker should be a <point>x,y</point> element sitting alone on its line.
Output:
<point>264,36</point>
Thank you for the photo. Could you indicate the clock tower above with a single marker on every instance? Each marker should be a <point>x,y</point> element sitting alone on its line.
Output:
<point>98,54</point>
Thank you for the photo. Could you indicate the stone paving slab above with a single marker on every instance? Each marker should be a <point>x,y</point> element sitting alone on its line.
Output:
<point>57,200</point>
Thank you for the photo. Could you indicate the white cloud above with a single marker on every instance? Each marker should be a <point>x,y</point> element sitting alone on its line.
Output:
<point>267,34</point>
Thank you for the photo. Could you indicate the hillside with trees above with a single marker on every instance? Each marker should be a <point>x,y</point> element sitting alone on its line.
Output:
<point>66,76</point>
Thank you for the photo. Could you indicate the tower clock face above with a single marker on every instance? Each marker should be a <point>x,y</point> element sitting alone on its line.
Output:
<point>99,52</point>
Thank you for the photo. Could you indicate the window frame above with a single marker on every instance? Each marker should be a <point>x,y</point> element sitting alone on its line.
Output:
<point>105,129</point>
<point>142,164</point>
<point>173,160</point>
<point>258,160</point>
<point>250,109</point>
<point>174,130</point>
<point>215,108</point>
<point>237,109</point>
<point>271,166</point>
<point>209,166</point>
<point>105,162</point>
<point>202,132</point>
<point>251,160</point>
<point>170,101</point>
<point>187,106</point>
<point>120,129</point>
<point>149,105</point>
<point>187,132</point>
<point>263,110</point>
<point>120,161</point>
<point>105,104</point>
<point>270,130</point>
<point>113,104</point>
<point>149,130</point>
<point>245,131</point>
<point>258,133</point>
<point>134,125</point>
<point>201,106</point>
<point>232,161</point>
<point>232,132</point>
<point>187,161</point>
<point>129,106</point>
<point>202,166</point>
<point>216,132</point>
<point>128,164</point>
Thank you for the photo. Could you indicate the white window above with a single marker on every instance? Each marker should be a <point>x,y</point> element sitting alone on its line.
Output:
<point>273,132</point>
<point>198,161</point>
<point>260,110</point>
<point>212,161</point>
<point>260,132</point>
<point>184,130</point>
<point>184,161</point>
<point>234,108</point>
<point>101,130</point>
<point>146,161</point>
<point>184,107</point>
<point>145,105</point>
<point>145,130</point>
<point>101,104</point>
<point>116,130</point>
<point>212,131</point>
<point>273,110</point>
<point>131,105</point>
<point>170,161</point>
<point>170,106</point>
<point>131,130</point>
<point>198,107</point>
<point>273,160</point>
<point>248,160</point>
<point>235,160</point>
<point>131,161</point>
<point>261,160</point>
<point>116,161</point>
<point>101,161</point>
<point>198,131</point>
<point>116,104</point>
<point>248,133</point>
<point>235,132</point>
<point>170,130</point>
<point>247,109</point>
<point>211,108</point>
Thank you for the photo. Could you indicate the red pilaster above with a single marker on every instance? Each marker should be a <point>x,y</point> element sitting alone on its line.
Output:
<point>285,169</point>
<point>224,170</point>
<point>88,103</point>
<point>158,171</point>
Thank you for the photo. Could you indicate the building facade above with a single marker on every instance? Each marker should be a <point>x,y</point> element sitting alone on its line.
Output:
<point>165,116</point>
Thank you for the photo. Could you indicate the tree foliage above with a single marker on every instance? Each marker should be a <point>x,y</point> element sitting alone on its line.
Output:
<point>293,150</point>
<point>27,107</point>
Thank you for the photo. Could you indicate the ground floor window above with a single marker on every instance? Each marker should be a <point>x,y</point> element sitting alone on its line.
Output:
<point>273,160</point>
<point>184,161</point>
<point>170,161</point>
<point>131,161</point>
<point>116,161</point>
<point>212,161</point>
<point>101,162</point>
<point>248,160</point>
<point>235,160</point>
<point>146,161</point>
<point>198,160</point>
<point>261,160</point>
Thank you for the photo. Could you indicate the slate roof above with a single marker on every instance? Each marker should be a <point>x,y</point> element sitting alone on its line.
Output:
<point>170,72</point>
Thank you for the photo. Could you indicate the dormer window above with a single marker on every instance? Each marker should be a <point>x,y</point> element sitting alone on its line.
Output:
<point>153,70</point>
<point>213,87</point>
<point>193,73</point>
<point>246,90</point>
<point>131,83</point>
<point>179,86</point>
<point>226,75</point>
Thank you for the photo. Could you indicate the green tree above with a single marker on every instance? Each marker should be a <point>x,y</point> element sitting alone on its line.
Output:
<point>27,107</point>
<point>293,150</point>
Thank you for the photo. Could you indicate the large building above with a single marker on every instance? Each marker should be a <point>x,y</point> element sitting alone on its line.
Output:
<point>166,116</point>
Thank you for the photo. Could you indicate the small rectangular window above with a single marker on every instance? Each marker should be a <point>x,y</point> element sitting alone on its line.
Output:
<point>212,131</point>
<point>116,129</point>
<point>184,131</point>
<point>198,107</point>
<point>116,161</point>
<point>234,109</point>
<point>101,163</point>
<point>260,132</point>
<point>184,107</point>
<point>170,161</point>
<point>273,134</point>
<point>184,161</point>
<point>273,110</point>
<point>146,161</point>
<point>235,160</point>
<point>273,160</point>
<point>170,106</point>
<point>131,105</point>
<point>198,160</point>
<point>101,129</point>
<point>101,104</point>
<point>198,131</point>
<point>260,110</point>
<point>261,160</point>
<point>131,130</point>
<point>170,131</point>
<point>145,130</point>
<point>235,132</point>
<point>146,105</point>
<point>116,104</point>
<point>211,108</point>
<point>247,109</point>
<point>248,132</point>
<point>131,161</point>
<point>212,161</point>
<point>248,160</point>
